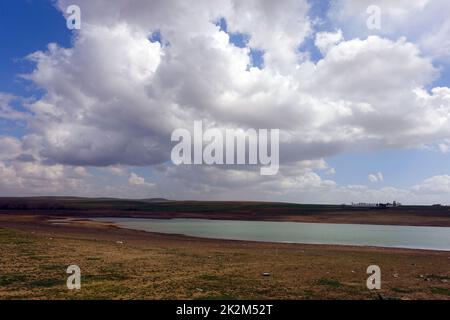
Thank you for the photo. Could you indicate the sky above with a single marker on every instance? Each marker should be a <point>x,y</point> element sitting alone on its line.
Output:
<point>363,113</point>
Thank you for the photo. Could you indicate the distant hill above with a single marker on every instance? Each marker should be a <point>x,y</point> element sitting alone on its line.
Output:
<point>228,210</point>
<point>155,200</point>
<point>155,205</point>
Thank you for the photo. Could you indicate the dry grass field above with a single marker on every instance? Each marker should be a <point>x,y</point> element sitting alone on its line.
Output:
<point>125,264</point>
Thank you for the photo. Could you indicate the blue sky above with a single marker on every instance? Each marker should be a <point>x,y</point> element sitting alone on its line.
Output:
<point>26,26</point>
<point>29,26</point>
<point>401,168</point>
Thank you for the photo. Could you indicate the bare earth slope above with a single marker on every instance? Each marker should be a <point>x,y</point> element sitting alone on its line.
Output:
<point>126,264</point>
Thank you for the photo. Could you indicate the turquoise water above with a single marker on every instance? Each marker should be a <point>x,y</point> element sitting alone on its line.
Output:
<point>431,238</point>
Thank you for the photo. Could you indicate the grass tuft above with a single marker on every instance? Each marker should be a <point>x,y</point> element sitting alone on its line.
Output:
<point>329,282</point>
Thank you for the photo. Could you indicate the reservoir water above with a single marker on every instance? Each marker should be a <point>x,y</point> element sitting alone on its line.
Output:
<point>430,238</point>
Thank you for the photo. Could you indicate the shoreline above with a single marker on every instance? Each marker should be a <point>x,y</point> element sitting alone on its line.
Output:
<point>382,218</point>
<point>83,224</point>
<point>117,225</point>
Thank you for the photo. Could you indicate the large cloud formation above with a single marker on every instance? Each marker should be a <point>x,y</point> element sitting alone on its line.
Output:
<point>139,69</point>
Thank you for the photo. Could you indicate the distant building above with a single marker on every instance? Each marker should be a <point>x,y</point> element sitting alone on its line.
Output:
<point>364,205</point>
<point>376,205</point>
<point>393,205</point>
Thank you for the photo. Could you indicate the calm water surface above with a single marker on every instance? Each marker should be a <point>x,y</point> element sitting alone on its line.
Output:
<point>432,238</point>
